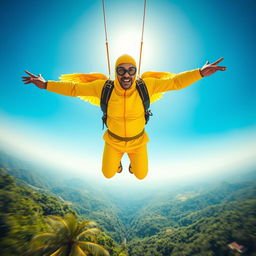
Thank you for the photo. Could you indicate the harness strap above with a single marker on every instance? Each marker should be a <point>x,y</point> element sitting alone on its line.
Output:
<point>105,95</point>
<point>126,138</point>
<point>143,92</point>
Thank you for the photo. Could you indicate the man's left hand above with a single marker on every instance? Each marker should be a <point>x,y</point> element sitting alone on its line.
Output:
<point>209,69</point>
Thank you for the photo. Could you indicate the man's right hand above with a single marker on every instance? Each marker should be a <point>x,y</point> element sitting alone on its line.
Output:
<point>36,80</point>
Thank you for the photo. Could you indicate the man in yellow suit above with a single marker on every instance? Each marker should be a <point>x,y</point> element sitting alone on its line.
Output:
<point>126,114</point>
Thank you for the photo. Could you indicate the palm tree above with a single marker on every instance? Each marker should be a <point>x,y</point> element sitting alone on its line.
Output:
<point>68,238</point>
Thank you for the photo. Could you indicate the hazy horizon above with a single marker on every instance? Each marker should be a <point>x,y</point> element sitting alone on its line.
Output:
<point>123,187</point>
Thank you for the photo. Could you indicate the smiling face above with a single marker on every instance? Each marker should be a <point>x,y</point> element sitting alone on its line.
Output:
<point>126,73</point>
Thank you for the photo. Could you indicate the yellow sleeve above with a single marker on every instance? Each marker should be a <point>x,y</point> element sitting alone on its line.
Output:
<point>177,82</point>
<point>75,89</point>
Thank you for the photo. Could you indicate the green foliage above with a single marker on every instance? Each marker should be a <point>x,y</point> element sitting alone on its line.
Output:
<point>67,236</point>
<point>21,214</point>
<point>206,232</point>
<point>103,212</point>
<point>111,246</point>
<point>174,213</point>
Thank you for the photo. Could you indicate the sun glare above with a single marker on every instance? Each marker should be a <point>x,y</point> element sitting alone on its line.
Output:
<point>128,41</point>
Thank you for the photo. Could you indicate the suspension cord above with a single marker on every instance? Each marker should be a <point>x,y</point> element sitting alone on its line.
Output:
<point>106,36</point>
<point>142,35</point>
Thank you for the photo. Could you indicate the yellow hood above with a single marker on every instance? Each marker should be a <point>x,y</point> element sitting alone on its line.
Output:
<point>125,58</point>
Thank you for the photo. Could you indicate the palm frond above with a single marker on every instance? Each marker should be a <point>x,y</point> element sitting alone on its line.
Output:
<point>58,219</point>
<point>41,250</point>
<point>88,223</point>
<point>84,226</point>
<point>72,223</point>
<point>93,248</point>
<point>77,251</point>
<point>91,231</point>
<point>59,252</point>
<point>55,253</point>
<point>43,236</point>
<point>55,224</point>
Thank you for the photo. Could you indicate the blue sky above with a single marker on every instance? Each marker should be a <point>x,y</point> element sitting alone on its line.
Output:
<point>194,129</point>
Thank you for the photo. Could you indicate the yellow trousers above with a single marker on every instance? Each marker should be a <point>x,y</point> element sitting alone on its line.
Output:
<point>112,157</point>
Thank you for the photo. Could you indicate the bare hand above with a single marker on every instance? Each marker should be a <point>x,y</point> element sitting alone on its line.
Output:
<point>36,80</point>
<point>209,69</point>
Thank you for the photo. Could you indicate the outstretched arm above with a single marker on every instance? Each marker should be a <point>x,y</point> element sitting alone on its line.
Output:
<point>185,79</point>
<point>67,88</point>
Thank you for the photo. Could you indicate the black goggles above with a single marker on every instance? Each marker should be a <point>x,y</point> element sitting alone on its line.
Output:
<point>122,71</point>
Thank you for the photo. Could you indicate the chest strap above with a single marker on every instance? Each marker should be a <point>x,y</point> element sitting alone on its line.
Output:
<point>126,138</point>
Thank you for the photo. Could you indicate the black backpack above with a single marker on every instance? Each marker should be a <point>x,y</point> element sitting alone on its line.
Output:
<point>106,93</point>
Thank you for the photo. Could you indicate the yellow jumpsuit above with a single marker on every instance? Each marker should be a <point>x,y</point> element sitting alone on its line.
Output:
<point>125,116</point>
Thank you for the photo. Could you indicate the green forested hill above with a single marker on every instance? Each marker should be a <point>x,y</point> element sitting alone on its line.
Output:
<point>194,220</point>
<point>25,171</point>
<point>206,232</point>
<point>22,212</point>
<point>95,208</point>
<point>79,195</point>
<point>170,213</point>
